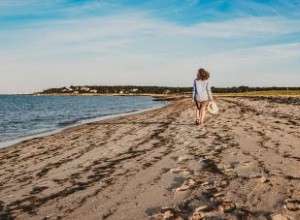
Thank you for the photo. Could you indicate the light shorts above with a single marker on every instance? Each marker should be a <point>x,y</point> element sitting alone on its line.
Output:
<point>202,104</point>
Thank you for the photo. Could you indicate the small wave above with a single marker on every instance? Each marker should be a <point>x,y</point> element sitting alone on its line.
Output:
<point>67,112</point>
<point>66,123</point>
<point>37,119</point>
<point>82,119</point>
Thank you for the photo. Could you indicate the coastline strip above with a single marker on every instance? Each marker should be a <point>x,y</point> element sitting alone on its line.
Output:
<point>10,143</point>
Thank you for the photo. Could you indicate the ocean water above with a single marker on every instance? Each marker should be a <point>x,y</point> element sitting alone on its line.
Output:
<point>22,117</point>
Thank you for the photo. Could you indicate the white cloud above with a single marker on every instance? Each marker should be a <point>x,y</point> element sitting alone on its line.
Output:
<point>275,65</point>
<point>139,49</point>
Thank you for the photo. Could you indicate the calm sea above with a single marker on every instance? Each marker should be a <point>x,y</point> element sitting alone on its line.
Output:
<point>22,117</point>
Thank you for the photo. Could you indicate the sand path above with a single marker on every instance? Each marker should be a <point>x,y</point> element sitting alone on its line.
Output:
<point>158,165</point>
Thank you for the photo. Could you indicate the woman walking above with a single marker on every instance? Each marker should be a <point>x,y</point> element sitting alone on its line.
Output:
<point>201,95</point>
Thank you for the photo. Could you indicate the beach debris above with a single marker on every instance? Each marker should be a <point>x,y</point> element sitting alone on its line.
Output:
<point>198,213</point>
<point>280,217</point>
<point>108,213</point>
<point>218,197</point>
<point>196,216</point>
<point>246,163</point>
<point>167,213</point>
<point>220,194</point>
<point>183,170</point>
<point>203,208</point>
<point>228,167</point>
<point>227,206</point>
<point>292,205</point>
<point>262,179</point>
<point>176,170</point>
<point>182,158</point>
<point>189,183</point>
<point>206,183</point>
<point>218,147</point>
<point>202,212</point>
<point>222,183</point>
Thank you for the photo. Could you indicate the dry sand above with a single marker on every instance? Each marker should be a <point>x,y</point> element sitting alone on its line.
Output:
<point>158,165</point>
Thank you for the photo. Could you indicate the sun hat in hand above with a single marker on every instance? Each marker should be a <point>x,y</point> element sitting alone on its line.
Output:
<point>212,108</point>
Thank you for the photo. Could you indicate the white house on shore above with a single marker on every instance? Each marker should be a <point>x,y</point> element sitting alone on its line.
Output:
<point>86,89</point>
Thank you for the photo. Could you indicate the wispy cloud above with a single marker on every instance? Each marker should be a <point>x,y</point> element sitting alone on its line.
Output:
<point>144,46</point>
<point>141,33</point>
<point>274,65</point>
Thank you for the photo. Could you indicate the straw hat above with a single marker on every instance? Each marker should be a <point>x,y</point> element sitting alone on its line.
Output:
<point>212,108</point>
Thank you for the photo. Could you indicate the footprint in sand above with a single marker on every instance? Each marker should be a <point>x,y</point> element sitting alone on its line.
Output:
<point>292,205</point>
<point>218,197</point>
<point>243,164</point>
<point>233,153</point>
<point>262,179</point>
<point>280,217</point>
<point>183,158</point>
<point>246,163</point>
<point>168,214</point>
<point>227,206</point>
<point>188,184</point>
<point>203,212</point>
<point>182,170</point>
<point>212,211</point>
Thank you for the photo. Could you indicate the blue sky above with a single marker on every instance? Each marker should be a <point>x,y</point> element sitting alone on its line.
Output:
<point>53,43</point>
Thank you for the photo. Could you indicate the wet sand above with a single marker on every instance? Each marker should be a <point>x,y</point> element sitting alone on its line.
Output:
<point>158,165</point>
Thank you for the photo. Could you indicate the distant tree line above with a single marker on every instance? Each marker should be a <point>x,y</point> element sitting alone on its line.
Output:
<point>118,89</point>
<point>153,89</point>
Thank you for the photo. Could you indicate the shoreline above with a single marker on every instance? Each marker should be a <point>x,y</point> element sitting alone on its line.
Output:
<point>105,94</point>
<point>157,164</point>
<point>11,143</point>
<point>156,97</point>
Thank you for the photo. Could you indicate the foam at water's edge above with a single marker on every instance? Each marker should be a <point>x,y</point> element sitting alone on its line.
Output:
<point>51,132</point>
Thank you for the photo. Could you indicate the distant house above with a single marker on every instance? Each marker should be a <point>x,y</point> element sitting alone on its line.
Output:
<point>134,90</point>
<point>93,91</point>
<point>167,91</point>
<point>121,92</point>
<point>75,92</point>
<point>86,89</point>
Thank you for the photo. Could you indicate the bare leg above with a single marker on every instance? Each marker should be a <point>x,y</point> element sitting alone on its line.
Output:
<point>198,105</point>
<point>197,115</point>
<point>200,115</point>
<point>203,112</point>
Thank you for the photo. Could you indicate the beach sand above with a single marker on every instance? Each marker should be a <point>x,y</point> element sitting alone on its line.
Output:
<point>158,165</point>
